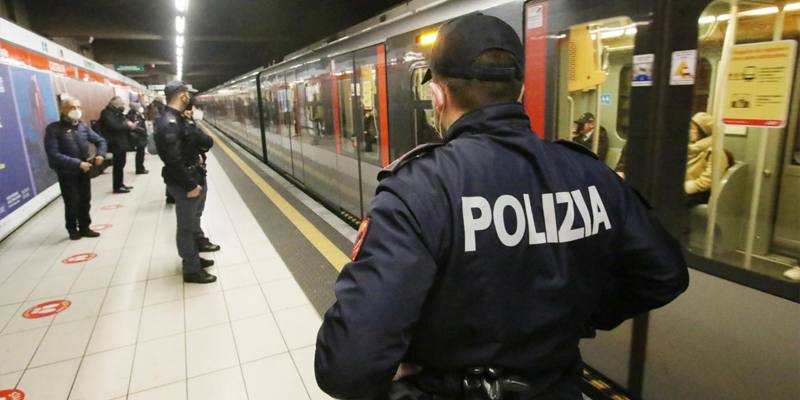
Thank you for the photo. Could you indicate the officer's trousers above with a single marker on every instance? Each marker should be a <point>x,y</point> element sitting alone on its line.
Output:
<point>201,206</point>
<point>76,190</point>
<point>188,224</point>
<point>119,168</point>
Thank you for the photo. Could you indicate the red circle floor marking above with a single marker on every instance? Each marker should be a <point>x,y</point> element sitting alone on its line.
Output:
<point>12,394</point>
<point>111,207</point>
<point>100,227</point>
<point>46,309</point>
<point>79,258</point>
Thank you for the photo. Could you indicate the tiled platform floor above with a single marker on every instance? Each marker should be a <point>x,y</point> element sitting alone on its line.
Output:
<point>134,329</point>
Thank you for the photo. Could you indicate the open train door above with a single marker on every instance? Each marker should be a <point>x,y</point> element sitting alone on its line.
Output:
<point>579,58</point>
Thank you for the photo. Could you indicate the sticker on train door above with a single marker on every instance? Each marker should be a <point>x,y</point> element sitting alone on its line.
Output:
<point>12,394</point>
<point>643,70</point>
<point>46,309</point>
<point>535,17</point>
<point>683,67</point>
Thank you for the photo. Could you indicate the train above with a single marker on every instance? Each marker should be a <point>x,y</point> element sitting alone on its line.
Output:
<point>331,115</point>
<point>35,73</point>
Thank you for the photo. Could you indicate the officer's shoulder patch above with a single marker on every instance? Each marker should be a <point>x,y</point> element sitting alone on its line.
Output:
<point>362,233</point>
<point>576,147</point>
<point>401,161</point>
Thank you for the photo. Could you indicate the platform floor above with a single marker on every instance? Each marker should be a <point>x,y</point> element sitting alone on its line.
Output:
<point>134,329</point>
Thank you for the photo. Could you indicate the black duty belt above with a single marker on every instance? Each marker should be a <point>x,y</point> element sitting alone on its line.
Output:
<point>477,383</point>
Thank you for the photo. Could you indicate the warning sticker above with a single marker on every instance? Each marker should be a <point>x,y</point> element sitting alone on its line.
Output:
<point>684,64</point>
<point>759,84</point>
<point>46,309</point>
<point>100,227</point>
<point>111,207</point>
<point>79,258</point>
<point>643,70</point>
<point>12,394</point>
<point>535,16</point>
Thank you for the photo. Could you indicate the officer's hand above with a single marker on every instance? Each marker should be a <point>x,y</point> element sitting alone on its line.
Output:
<point>195,192</point>
<point>98,161</point>
<point>85,166</point>
<point>131,125</point>
<point>406,369</point>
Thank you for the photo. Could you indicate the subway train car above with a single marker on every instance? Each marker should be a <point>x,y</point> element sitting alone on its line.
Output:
<point>34,74</point>
<point>331,115</point>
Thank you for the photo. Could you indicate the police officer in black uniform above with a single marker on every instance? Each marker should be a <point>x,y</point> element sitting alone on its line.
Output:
<point>484,260</point>
<point>203,144</point>
<point>116,129</point>
<point>184,174</point>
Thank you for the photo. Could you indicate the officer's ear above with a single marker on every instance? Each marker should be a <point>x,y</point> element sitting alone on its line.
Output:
<point>521,94</point>
<point>437,96</point>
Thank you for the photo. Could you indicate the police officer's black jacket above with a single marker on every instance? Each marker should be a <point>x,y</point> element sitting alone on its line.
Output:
<point>67,145</point>
<point>494,249</point>
<point>177,150</point>
<point>115,128</point>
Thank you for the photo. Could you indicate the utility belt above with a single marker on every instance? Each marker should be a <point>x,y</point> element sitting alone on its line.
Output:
<point>477,383</point>
<point>198,167</point>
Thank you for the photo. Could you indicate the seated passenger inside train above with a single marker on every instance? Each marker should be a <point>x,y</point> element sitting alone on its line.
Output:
<point>583,135</point>
<point>698,163</point>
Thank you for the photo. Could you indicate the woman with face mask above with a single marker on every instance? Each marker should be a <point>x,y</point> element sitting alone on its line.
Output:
<point>69,154</point>
<point>698,165</point>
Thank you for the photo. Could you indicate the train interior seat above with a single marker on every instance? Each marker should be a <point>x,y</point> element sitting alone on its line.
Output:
<point>731,205</point>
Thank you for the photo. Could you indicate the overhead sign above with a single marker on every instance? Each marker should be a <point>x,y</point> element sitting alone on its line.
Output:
<point>759,84</point>
<point>129,67</point>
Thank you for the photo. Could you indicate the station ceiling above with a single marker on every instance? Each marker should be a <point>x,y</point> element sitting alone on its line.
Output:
<point>223,38</point>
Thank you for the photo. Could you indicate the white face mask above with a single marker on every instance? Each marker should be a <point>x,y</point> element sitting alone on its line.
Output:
<point>75,115</point>
<point>197,115</point>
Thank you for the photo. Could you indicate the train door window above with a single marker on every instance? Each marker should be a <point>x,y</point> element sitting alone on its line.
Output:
<point>593,101</point>
<point>368,111</point>
<point>423,109</point>
<point>741,182</point>
<point>346,92</point>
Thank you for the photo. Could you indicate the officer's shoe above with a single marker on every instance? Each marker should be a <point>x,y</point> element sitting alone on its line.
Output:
<point>122,190</point>
<point>127,187</point>
<point>205,246</point>
<point>74,235</point>
<point>89,233</point>
<point>142,172</point>
<point>205,263</point>
<point>199,277</point>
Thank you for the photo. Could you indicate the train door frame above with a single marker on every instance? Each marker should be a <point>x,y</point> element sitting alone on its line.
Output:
<point>345,170</point>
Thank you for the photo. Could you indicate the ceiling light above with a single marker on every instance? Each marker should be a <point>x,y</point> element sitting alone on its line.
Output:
<point>179,40</point>
<point>179,51</point>
<point>792,7</point>
<point>180,24</point>
<point>182,5</point>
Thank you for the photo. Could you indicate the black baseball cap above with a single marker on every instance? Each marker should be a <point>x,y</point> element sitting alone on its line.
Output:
<point>178,86</point>
<point>584,118</point>
<point>461,41</point>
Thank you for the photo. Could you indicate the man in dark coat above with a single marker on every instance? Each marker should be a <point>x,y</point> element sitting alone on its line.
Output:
<point>117,128</point>
<point>67,143</point>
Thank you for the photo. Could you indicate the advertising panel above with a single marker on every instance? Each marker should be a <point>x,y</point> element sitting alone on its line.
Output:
<point>36,106</point>
<point>15,179</point>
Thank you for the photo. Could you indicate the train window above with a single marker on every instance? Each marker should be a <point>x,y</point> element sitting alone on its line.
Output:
<point>742,179</point>
<point>423,110</point>
<point>346,91</point>
<point>369,112</point>
<point>594,88</point>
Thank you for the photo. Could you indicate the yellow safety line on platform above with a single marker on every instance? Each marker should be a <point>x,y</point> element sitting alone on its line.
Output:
<point>317,239</point>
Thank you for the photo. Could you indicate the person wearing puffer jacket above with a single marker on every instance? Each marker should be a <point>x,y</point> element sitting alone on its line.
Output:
<point>698,164</point>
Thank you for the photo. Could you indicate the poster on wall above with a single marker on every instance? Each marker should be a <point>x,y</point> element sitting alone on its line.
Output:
<point>16,186</point>
<point>36,106</point>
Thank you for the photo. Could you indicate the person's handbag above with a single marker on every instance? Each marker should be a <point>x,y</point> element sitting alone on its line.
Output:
<point>95,171</point>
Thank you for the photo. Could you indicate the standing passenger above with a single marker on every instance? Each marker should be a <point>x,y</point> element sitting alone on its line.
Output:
<point>183,175</point>
<point>116,129</point>
<point>481,264</point>
<point>68,152</point>
<point>136,115</point>
<point>584,135</point>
